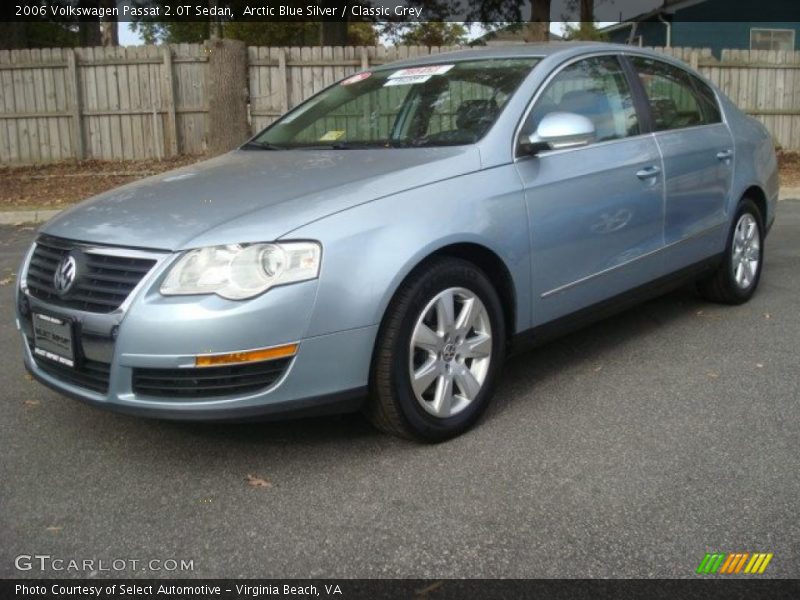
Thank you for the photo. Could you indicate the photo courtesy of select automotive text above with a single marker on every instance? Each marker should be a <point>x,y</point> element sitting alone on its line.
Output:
<point>400,299</point>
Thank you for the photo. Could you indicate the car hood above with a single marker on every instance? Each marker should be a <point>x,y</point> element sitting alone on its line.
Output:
<point>252,195</point>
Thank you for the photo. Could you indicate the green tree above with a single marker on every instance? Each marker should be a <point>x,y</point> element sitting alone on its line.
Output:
<point>264,33</point>
<point>499,14</point>
<point>37,34</point>
<point>434,33</point>
<point>257,33</point>
<point>252,33</point>
<point>362,34</point>
<point>176,32</point>
<point>586,31</point>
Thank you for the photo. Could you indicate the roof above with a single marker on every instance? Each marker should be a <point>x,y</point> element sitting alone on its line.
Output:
<point>568,49</point>
<point>557,51</point>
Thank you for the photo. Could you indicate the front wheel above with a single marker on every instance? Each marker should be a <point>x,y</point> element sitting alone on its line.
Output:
<point>736,279</point>
<point>438,353</point>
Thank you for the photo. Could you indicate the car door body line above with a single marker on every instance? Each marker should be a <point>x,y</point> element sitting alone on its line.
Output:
<point>545,332</point>
<point>572,284</point>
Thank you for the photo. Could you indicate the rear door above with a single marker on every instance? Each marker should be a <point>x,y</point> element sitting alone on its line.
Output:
<point>595,212</point>
<point>698,160</point>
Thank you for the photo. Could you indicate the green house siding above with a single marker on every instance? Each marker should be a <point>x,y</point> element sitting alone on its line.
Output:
<point>715,35</point>
<point>694,26</point>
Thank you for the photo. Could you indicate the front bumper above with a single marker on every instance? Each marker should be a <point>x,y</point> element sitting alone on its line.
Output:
<point>302,391</point>
<point>329,373</point>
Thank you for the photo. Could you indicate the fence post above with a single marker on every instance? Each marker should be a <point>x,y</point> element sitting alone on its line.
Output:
<point>75,102</point>
<point>227,94</point>
<point>283,81</point>
<point>168,94</point>
<point>364,59</point>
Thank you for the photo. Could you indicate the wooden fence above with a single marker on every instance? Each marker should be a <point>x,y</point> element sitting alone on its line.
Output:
<point>152,101</point>
<point>103,103</point>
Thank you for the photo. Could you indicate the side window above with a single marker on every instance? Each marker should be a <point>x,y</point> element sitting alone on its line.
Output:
<point>595,88</point>
<point>674,101</point>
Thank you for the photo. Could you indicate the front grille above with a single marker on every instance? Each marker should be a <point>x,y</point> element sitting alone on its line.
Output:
<point>90,374</point>
<point>209,381</point>
<point>102,284</point>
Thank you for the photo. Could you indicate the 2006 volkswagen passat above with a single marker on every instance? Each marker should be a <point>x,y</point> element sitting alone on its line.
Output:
<point>383,244</point>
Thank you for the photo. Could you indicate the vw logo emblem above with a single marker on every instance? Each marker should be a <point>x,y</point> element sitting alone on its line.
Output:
<point>65,274</point>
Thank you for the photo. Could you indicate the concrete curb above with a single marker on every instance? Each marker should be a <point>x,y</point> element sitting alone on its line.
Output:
<point>18,217</point>
<point>789,193</point>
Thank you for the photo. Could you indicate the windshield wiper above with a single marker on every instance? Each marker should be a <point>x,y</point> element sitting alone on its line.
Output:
<point>254,145</point>
<point>384,145</point>
<point>334,146</point>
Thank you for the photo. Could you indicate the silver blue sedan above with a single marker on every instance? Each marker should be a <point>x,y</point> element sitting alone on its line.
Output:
<point>386,243</point>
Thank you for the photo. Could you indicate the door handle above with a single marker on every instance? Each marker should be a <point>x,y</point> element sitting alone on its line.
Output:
<point>648,172</point>
<point>725,154</point>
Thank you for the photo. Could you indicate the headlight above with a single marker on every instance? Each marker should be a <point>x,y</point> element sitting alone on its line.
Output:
<point>242,271</point>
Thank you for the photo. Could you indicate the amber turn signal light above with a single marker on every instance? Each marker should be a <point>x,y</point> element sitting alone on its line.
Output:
<point>235,358</point>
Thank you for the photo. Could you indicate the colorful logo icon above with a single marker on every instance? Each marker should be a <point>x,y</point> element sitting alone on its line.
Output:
<point>734,563</point>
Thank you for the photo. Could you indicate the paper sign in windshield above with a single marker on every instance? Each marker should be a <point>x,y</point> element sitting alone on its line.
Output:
<point>407,80</point>
<point>419,71</point>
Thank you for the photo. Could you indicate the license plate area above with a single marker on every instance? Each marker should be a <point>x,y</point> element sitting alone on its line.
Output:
<point>53,340</point>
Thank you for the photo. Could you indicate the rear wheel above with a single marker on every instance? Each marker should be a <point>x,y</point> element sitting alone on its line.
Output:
<point>438,353</point>
<point>736,279</point>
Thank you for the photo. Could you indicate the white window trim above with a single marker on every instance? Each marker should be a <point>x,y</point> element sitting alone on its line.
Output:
<point>772,29</point>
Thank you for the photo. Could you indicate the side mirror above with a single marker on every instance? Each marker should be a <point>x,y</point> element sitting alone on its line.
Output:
<point>559,130</point>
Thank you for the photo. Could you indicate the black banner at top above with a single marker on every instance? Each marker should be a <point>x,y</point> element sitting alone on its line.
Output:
<point>510,11</point>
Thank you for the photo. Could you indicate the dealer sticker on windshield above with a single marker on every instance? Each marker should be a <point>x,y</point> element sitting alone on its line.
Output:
<point>407,80</point>
<point>415,75</point>
<point>419,71</point>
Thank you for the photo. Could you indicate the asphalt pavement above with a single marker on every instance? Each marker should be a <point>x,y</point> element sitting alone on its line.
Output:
<point>628,449</point>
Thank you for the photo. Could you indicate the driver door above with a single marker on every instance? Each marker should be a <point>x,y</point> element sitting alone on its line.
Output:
<point>596,212</point>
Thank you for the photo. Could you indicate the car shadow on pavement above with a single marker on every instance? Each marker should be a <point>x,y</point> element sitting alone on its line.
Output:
<point>588,347</point>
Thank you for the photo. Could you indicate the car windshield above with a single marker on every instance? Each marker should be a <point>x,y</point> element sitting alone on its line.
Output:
<point>433,105</point>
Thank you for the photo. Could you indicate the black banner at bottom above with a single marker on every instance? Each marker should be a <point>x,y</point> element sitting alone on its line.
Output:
<point>357,589</point>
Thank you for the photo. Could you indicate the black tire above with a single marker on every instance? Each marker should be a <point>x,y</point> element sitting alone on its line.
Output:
<point>393,406</point>
<point>721,286</point>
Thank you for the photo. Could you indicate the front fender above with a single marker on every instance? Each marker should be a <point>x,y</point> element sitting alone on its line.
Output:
<point>370,249</point>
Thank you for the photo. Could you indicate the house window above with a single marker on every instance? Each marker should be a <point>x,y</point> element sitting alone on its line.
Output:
<point>772,39</point>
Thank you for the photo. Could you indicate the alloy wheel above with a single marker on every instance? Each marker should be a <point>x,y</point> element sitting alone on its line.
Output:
<point>746,251</point>
<point>451,350</point>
